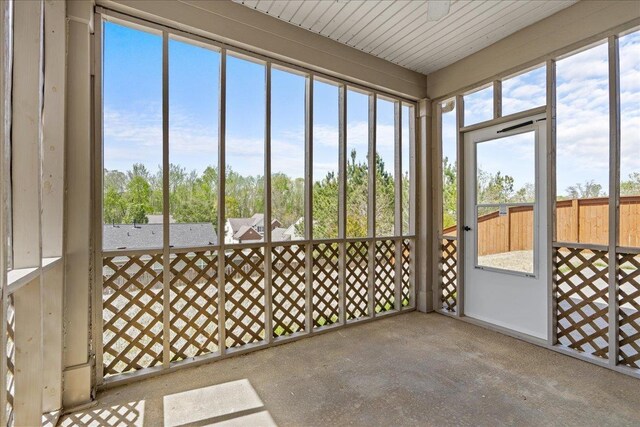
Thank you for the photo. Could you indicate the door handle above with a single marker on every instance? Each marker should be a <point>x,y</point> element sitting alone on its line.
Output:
<point>467,228</point>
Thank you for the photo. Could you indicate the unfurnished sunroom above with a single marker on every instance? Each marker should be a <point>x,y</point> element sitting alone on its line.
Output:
<point>320,212</point>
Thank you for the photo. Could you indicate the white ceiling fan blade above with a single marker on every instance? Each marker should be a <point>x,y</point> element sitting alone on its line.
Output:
<point>437,9</point>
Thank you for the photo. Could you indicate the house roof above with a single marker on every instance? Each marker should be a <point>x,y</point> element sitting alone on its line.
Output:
<point>257,220</point>
<point>142,236</point>
<point>279,234</point>
<point>247,233</point>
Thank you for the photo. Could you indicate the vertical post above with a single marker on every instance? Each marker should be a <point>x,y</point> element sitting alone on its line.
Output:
<point>222,120</point>
<point>551,200</point>
<point>437,204</point>
<point>509,213</point>
<point>614,193</point>
<point>53,198</point>
<point>6,55</point>
<point>342,198</point>
<point>166,255</point>
<point>413,218</point>
<point>78,245</point>
<point>422,215</point>
<point>397,229</point>
<point>575,216</point>
<point>268,311</point>
<point>461,238</point>
<point>308,202</point>
<point>371,206</point>
<point>497,99</point>
<point>26,138</point>
<point>97,202</point>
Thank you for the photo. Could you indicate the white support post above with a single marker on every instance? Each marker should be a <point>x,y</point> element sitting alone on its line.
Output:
<point>424,301</point>
<point>461,205</point>
<point>342,199</point>
<point>308,203</point>
<point>166,237</point>
<point>371,206</point>
<point>26,139</point>
<point>397,229</point>
<point>78,247</point>
<point>614,194</point>
<point>6,55</point>
<point>268,300</point>
<point>222,120</point>
<point>437,203</point>
<point>414,151</point>
<point>97,202</point>
<point>551,200</point>
<point>52,280</point>
<point>53,127</point>
<point>497,99</point>
<point>53,199</point>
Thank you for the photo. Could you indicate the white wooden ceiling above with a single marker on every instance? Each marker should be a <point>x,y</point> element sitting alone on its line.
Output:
<point>398,30</point>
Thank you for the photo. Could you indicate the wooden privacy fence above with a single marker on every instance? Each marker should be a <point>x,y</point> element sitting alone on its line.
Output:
<point>578,220</point>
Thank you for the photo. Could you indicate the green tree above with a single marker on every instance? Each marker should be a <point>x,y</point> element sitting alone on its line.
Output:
<point>631,187</point>
<point>115,207</point>
<point>496,188</point>
<point>357,197</point>
<point>449,193</point>
<point>587,190</point>
<point>137,200</point>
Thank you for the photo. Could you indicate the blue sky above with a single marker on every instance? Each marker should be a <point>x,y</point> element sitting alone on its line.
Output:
<point>582,116</point>
<point>133,110</point>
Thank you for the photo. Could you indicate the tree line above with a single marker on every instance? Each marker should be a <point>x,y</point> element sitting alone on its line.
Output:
<point>132,195</point>
<point>499,188</point>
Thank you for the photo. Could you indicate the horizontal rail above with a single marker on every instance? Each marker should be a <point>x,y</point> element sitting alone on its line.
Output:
<point>505,119</point>
<point>627,250</point>
<point>273,243</point>
<point>588,246</point>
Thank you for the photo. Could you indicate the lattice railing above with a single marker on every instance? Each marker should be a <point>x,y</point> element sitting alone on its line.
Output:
<point>385,273</point>
<point>406,270</point>
<point>582,299</point>
<point>244,300</point>
<point>288,293</point>
<point>204,289</point>
<point>326,284</point>
<point>628,268</point>
<point>132,312</point>
<point>357,279</point>
<point>193,304</point>
<point>449,274</point>
<point>11,358</point>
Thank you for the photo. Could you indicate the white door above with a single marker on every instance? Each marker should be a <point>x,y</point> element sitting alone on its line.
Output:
<point>505,222</point>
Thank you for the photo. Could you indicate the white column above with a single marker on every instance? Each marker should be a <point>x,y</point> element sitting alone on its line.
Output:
<point>26,179</point>
<point>424,294</point>
<point>77,249</point>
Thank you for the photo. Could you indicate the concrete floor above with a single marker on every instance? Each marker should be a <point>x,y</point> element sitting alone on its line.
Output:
<point>412,369</point>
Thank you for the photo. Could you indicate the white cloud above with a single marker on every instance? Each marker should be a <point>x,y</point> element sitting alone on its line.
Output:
<point>135,136</point>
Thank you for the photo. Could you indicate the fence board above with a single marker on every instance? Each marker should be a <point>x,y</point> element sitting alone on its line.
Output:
<point>578,220</point>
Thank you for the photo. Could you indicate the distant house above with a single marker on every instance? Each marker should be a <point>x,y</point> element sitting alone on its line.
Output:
<point>144,236</point>
<point>245,230</point>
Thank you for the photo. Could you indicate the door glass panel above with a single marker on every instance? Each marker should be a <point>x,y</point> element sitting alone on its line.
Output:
<point>506,194</point>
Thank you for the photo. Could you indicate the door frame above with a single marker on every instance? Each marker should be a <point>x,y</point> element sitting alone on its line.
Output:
<point>486,288</point>
<point>539,190</point>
